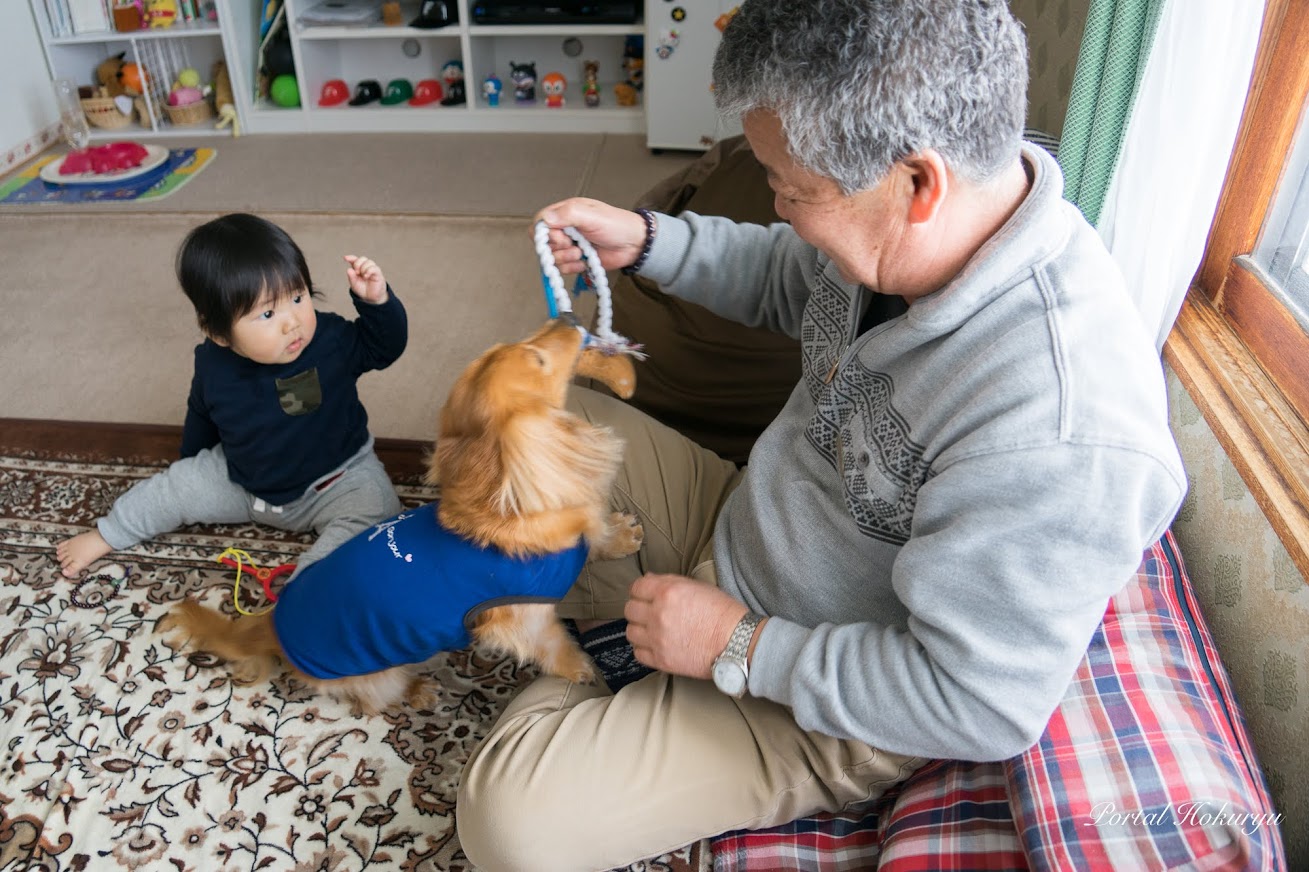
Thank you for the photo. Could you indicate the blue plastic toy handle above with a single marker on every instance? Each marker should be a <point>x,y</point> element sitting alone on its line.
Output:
<point>549,297</point>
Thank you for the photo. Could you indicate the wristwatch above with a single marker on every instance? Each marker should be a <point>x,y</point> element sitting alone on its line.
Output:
<point>731,668</point>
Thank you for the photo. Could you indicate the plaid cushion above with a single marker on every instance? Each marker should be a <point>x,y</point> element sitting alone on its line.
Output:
<point>956,817</point>
<point>947,809</point>
<point>1146,764</point>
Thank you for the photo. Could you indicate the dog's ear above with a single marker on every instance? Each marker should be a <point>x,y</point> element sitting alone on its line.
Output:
<point>554,460</point>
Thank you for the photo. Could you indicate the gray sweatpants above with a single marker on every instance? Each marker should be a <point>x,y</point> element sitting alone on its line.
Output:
<point>196,490</point>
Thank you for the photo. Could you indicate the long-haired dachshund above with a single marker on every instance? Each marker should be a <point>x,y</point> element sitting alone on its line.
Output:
<point>524,502</point>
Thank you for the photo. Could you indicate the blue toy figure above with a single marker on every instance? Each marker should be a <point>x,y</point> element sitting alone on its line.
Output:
<point>524,78</point>
<point>491,87</point>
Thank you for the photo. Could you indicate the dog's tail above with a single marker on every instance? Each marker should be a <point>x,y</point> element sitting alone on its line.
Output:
<point>248,643</point>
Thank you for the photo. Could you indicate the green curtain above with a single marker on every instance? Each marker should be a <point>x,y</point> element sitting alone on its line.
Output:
<point>1115,45</point>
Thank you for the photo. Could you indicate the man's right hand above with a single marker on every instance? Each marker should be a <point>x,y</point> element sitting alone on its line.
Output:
<point>617,235</point>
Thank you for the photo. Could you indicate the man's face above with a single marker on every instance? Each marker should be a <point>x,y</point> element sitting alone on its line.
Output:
<point>853,231</point>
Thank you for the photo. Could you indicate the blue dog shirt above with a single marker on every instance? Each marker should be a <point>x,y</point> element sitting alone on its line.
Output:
<point>404,590</point>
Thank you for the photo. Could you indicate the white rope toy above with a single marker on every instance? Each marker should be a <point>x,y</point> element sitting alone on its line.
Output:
<point>603,337</point>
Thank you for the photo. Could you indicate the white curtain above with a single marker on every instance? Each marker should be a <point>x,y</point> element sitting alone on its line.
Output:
<point>1165,188</point>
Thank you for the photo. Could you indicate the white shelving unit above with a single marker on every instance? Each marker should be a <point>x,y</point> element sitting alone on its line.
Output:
<point>195,44</point>
<point>377,51</point>
<point>382,53</point>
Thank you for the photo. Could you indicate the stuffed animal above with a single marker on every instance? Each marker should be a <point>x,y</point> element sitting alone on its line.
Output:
<point>106,74</point>
<point>132,79</point>
<point>224,102</point>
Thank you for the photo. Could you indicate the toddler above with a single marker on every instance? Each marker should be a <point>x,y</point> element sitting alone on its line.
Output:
<point>275,431</point>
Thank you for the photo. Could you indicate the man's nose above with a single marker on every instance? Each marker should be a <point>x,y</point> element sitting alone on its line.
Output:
<point>779,206</point>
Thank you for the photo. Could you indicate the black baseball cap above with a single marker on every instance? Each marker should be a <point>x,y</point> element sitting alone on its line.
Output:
<point>367,91</point>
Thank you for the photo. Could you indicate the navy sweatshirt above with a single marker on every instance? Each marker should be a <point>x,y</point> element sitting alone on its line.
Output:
<point>284,426</point>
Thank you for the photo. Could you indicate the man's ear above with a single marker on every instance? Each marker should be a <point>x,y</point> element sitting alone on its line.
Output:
<point>218,340</point>
<point>931,183</point>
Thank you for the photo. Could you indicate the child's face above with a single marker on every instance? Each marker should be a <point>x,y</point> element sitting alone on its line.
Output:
<point>275,331</point>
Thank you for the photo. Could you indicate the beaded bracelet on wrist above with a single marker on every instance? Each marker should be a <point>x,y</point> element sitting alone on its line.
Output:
<point>651,226</point>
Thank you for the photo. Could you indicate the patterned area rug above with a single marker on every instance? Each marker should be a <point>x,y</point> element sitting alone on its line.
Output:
<point>119,752</point>
<point>181,166</point>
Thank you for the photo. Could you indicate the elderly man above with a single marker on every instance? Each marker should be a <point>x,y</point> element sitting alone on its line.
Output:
<point>922,543</point>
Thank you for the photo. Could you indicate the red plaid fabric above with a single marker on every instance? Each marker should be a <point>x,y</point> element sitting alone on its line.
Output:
<point>845,842</point>
<point>956,817</point>
<point>947,815</point>
<point>1146,764</point>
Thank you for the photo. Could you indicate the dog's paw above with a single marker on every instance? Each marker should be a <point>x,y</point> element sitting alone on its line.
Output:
<point>614,371</point>
<point>572,665</point>
<point>423,694</point>
<point>249,670</point>
<point>625,536</point>
<point>174,631</point>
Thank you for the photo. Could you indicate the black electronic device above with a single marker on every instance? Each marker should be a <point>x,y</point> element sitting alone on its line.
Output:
<point>555,12</point>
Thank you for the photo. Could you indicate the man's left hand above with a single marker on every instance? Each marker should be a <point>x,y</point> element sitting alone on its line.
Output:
<point>679,625</point>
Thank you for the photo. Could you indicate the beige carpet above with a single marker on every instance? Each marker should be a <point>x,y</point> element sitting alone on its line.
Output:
<point>95,328</point>
<point>408,174</point>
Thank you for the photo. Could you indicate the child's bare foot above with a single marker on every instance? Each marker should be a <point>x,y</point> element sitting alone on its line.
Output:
<point>81,551</point>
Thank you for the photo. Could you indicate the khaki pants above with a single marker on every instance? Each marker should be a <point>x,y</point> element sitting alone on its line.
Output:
<point>573,777</point>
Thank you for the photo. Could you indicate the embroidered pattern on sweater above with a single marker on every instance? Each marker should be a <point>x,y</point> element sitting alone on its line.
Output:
<point>855,426</point>
<point>823,331</point>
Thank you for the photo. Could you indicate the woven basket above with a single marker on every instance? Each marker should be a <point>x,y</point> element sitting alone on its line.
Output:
<point>191,113</point>
<point>103,112</point>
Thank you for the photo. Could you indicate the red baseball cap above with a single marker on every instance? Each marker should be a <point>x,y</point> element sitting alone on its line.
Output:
<point>335,92</point>
<point>426,91</point>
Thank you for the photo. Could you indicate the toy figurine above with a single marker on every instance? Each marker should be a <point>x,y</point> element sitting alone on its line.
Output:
<point>160,13</point>
<point>634,61</point>
<point>635,69</point>
<point>491,87</point>
<point>524,78</point>
<point>453,76</point>
<point>590,85</point>
<point>554,85</point>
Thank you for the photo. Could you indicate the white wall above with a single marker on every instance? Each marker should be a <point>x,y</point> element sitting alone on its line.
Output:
<point>27,105</point>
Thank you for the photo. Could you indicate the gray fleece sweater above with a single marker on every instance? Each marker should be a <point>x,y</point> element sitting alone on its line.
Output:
<point>937,518</point>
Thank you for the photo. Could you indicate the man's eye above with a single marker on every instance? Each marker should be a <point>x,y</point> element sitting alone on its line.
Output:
<point>297,298</point>
<point>267,314</point>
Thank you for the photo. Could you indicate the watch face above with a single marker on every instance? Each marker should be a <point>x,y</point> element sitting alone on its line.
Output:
<point>729,677</point>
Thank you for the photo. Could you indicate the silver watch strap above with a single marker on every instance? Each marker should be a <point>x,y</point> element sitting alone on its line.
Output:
<point>739,643</point>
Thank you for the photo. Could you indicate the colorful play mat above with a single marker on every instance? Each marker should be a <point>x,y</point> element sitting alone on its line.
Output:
<point>181,165</point>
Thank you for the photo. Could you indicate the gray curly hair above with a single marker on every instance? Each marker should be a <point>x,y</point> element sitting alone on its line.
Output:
<point>861,84</point>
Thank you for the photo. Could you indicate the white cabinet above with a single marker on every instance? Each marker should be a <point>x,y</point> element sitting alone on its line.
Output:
<point>161,52</point>
<point>383,53</point>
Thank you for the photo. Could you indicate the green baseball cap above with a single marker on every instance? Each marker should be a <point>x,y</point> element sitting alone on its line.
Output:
<point>397,91</point>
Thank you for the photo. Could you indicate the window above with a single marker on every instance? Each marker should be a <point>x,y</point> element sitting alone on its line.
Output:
<point>1283,250</point>
<point>1241,342</point>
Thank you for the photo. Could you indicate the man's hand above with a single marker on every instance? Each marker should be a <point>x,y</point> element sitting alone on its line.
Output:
<point>679,625</point>
<point>617,235</point>
<point>366,279</point>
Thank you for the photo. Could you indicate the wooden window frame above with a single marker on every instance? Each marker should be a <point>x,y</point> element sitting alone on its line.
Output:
<point>1237,350</point>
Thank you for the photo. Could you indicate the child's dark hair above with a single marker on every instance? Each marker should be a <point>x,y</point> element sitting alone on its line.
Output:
<point>228,265</point>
